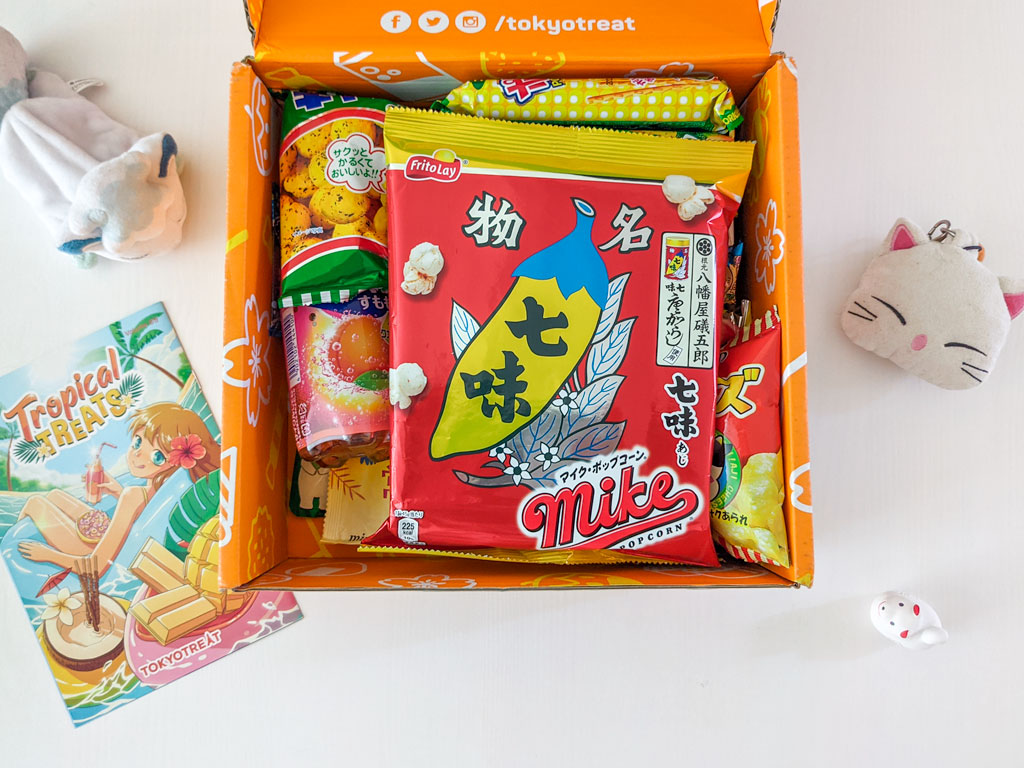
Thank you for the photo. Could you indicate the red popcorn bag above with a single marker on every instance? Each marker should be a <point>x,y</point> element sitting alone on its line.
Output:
<point>561,315</point>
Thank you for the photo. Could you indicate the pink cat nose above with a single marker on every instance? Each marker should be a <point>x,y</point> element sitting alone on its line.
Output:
<point>919,342</point>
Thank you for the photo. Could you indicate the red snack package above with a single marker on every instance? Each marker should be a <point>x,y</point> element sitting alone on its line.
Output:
<point>567,335</point>
<point>747,489</point>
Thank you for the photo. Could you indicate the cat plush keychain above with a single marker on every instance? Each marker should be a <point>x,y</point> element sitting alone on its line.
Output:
<point>929,305</point>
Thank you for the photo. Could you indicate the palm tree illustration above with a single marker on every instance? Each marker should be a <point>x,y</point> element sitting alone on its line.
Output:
<point>131,342</point>
<point>26,452</point>
<point>8,432</point>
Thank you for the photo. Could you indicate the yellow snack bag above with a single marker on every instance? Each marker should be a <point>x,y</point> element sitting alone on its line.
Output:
<point>704,105</point>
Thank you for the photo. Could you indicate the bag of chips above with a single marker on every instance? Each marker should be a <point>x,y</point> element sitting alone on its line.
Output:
<point>691,104</point>
<point>747,490</point>
<point>333,201</point>
<point>562,317</point>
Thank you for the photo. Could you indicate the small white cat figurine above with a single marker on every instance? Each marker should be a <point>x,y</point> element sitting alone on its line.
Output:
<point>932,308</point>
<point>907,621</point>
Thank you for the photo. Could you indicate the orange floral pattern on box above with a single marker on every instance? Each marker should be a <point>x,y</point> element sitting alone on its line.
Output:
<point>253,503</point>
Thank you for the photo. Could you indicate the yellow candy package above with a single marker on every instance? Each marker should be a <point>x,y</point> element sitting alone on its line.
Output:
<point>681,103</point>
<point>747,490</point>
<point>333,198</point>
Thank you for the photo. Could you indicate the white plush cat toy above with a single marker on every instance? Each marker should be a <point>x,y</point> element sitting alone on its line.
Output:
<point>929,305</point>
<point>907,621</point>
<point>99,187</point>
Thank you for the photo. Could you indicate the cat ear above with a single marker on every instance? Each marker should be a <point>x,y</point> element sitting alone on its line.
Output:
<point>1013,294</point>
<point>904,234</point>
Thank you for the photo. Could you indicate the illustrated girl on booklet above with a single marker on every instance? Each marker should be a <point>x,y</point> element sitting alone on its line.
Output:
<point>165,437</point>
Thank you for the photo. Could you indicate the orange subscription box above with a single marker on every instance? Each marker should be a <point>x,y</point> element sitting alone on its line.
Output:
<point>414,55</point>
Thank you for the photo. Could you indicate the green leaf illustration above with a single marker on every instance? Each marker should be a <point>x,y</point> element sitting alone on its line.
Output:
<point>118,334</point>
<point>145,339</point>
<point>26,452</point>
<point>196,505</point>
<point>375,380</point>
<point>145,322</point>
<point>132,385</point>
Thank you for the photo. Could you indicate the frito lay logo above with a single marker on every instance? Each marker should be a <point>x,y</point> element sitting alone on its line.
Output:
<point>732,391</point>
<point>443,165</point>
<point>621,512</point>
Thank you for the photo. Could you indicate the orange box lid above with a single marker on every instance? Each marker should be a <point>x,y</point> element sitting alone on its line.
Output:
<point>423,49</point>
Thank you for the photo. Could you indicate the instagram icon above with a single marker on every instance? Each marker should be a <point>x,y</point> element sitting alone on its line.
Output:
<point>470,22</point>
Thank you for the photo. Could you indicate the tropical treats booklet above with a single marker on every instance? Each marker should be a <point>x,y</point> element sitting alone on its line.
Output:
<point>109,492</point>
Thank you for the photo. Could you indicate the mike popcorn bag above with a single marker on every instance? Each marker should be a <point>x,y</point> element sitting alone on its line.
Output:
<point>564,318</point>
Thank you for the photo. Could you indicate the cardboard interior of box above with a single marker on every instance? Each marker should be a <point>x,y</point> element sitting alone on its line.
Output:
<point>263,544</point>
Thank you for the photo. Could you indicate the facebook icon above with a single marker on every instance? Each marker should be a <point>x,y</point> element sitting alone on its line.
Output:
<point>395,21</point>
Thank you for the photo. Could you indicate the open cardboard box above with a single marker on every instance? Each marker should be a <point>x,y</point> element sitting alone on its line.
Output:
<point>417,54</point>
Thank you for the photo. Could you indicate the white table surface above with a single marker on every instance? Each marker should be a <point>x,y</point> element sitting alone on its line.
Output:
<point>907,108</point>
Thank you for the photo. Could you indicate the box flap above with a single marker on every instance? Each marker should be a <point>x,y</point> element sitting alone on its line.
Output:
<point>423,50</point>
<point>447,573</point>
<point>774,278</point>
<point>255,444</point>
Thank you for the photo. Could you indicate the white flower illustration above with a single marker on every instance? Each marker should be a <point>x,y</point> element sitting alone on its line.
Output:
<point>547,455</point>
<point>500,452</point>
<point>60,606</point>
<point>519,470</point>
<point>258,110</point>
<point>671,69</point>
<point>565,400</point>
<point>248,357</point>
<point>771,246</point>
<point>799,490</point>
<point>429,581</point>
